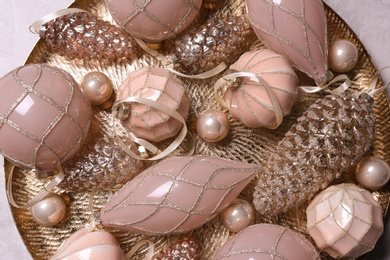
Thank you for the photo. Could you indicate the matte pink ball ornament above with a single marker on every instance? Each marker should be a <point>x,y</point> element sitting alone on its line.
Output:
<point>267,241</point>
<point>177,195</point>
<point>295,29</point>
<point>44,117</point>
<point>250,102</point>
<point>158,85</point>
<point>154,21</point>
<point>345,221</point>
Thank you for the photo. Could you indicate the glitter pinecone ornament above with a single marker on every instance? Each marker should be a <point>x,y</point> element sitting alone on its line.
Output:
<point>100,164</point>
<point>328,139</point>
<point>186,248</point>
<point>83,35</point>
<point>217,40</point>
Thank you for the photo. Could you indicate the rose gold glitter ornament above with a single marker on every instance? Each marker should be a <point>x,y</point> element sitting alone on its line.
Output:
<point>158,85</point>
<point>266,241</point>
<point>249,101</point>
<point>204,48</point>
<point>328,139</point>
<point>345,221</point>
<point>82,35</point>
<point>44,117</point>
<point>186,248</point>
<point>153,20</point>
<point>177,195</point>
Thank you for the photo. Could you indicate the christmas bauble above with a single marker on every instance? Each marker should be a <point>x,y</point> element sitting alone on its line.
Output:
<point>44,117</point>
<point>295,29</point>
<point>343,56</point>
<point>345,221</point>
<point>249,102</point>
<point>49,211</point>
<point>161,86</point>
<point>266,241</point>
<point>154,21</point>
<point>372,172</point>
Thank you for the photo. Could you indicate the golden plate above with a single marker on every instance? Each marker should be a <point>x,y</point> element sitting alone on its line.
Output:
<point>43,242</point>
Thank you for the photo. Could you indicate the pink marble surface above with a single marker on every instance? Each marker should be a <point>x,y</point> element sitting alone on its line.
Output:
<point>369,19</point>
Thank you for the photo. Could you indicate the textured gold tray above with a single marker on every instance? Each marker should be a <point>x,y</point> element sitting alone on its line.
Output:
<point>43,242</point>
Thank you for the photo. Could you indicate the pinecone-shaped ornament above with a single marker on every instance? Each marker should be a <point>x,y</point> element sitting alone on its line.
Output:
<point>328,139</point>
<point>186,248</point>
<point>100,164</point>
<point>83,35</point>
<point>217,40</point>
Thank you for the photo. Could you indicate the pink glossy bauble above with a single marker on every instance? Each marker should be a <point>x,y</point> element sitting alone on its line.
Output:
<point>163,87</point>
<point>90,245</point>
<point>267,241</point>
<point>44,117</point>
<point>249,102</point>
<point>177,195</point>
<point>154,20</point>
<point>295,29</point>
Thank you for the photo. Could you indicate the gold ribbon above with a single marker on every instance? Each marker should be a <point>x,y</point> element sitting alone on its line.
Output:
<point>169,66</point>
<point>149,146</point>
<point>37,25</point>
<point>42,194</point>
<point>346,83</point>
<point>256,78</point>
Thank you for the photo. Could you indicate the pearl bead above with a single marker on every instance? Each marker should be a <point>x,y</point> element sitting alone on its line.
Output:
<point>212,125</point>
<point>238,215</point>
<point>372,173</point>
<point>97,87</point>
<point>49,211</point>
<point>343,56</point>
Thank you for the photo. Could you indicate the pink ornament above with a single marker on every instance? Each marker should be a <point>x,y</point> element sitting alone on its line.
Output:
<point>161,86</point>
<point>154,21</point>
<point>85,244</point>
<point>249,102</point>
<point>345,221</point>
<point>295,29</point>
<point>266,241</point>
<point>44,117</point>
<point>177,195</point>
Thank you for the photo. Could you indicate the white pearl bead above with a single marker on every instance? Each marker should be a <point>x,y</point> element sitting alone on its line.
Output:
<point>372,173</point>
<point>343,56</point>
<point>49,211</point>
<point>97,87</point>
<point>238,215</point>
<point>212,125</point>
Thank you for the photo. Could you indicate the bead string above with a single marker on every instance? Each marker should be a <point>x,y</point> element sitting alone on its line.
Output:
<point>149,146</point>
<point>42,194</point>
<point>256,78</point>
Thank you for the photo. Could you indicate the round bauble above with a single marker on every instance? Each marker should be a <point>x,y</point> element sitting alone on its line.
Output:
<point>49,211</point>
<point>343,56</point>
<point>372,172</point>
<point>154,21</point>
<point>158,85</point>
<point>238,215</point>
<point>212,125</point>
<point>97,87</point>
<point>44,117</point>
<point>249,101</point>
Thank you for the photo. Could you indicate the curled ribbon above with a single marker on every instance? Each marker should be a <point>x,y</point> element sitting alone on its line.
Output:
<point>372,90</point>
<point>337,91</point>
<point>37,25</point>
<point>134,249</point>
<point>149,146</point>
<point>42,194</point>
<point>256,78</point>
<point>169,66</point>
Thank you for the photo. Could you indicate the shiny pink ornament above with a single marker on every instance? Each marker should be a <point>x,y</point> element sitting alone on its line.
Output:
<point>267,241</point>
<point>153,20</point>
<point>249,102</point>
<point>90,245</point>
<point>345,221</point>
<point>44,117</point>
<point>161,86</point>
<point>295,29</point>
<point>177,195</point>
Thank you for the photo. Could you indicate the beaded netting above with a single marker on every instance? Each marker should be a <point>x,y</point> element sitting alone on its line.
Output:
<point>242,144</point>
